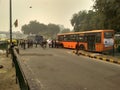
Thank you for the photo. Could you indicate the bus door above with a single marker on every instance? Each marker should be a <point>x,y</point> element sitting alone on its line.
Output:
<point>91,42</point>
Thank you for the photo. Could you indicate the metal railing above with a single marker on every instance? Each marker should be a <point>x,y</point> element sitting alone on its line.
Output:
<point>24,76</point>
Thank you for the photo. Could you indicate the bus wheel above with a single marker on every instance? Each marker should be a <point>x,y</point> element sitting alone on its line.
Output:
<point>81,47</point>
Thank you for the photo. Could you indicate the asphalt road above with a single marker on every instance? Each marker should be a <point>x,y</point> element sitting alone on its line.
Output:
<point>60,69</point>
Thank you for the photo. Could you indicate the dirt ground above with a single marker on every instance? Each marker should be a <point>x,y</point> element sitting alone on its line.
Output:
<point>7,74</point>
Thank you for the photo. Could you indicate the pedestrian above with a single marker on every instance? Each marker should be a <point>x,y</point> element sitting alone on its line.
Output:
<point>28,43</point>
<point>49,43</point>
<point>77,48</point>
<point>52,43</point>
<point>24,44</point>
<point>12,45</point>
<point>55,43</point>
<point>44,43</point>
<point>36,43</point>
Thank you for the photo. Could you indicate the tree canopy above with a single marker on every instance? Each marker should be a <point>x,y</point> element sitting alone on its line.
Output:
<point>105,15</point>
<point>65,30</point>
<point>35,27</point>
<point>111,11</point>
<point>87,20</point>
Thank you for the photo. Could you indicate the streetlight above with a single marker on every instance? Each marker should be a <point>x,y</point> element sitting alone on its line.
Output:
<point>10,23</point>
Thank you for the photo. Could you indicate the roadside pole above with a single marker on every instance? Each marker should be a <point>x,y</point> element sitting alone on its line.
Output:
<point>10,23</point>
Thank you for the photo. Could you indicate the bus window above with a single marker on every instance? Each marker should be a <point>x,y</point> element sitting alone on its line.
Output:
<point>81,38</point>
<point>98,37</point>
<point>85,38</point>
<point>108,35</point>
<point>67,38</point>
<point>60,38</point>
<point>73,37</point>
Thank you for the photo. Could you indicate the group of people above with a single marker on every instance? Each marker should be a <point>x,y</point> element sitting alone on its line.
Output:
<point>53,43</point>
<point>44,43</point>
<point>24,43</point>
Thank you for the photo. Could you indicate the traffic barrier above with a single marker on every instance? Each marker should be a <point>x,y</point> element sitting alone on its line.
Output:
<point>99,58</point>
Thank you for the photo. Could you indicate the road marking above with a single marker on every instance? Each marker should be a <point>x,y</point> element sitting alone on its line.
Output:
<point>70,52</point>
<point>104,59</point>
<point>99,57</point>
<point>118,62</point>
<point>111,60</point>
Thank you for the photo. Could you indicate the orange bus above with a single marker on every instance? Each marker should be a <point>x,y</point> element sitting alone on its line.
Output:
<point>95,40</point>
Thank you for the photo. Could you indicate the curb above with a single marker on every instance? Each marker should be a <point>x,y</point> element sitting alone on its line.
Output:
<point>100,58</point>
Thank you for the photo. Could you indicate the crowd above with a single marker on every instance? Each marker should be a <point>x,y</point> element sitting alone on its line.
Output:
<point>44,43</point>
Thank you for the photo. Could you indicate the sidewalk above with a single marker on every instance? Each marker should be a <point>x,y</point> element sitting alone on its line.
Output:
<point>109,58</point>
<point>7,74</point>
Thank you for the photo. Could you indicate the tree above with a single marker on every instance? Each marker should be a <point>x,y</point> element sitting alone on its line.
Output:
<point>78,20</point>
<point>87,20</point>
<point>105,15</point>
<point>66,30</point>
<point>35,27</point>
<point>110,9</point>
<point>25,29</point>
<point>53,30</point>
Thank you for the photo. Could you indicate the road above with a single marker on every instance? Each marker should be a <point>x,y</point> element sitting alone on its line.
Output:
<point>60,69</point>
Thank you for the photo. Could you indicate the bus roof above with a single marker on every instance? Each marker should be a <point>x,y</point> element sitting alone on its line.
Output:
<point>84,32</point>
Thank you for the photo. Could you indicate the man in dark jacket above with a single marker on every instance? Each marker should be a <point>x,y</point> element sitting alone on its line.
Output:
<point>77,48</point>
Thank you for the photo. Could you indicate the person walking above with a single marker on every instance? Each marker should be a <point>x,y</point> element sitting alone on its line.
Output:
<point>77,48</point>
<point>36,44</point>
<point>24,44</point>
<point>52,42</point>
<point>49,43</point>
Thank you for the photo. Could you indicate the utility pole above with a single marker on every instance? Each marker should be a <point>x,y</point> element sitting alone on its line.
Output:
<point>10,22</point>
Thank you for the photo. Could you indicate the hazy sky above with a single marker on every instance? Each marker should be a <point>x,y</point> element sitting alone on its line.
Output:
<point>44,11</point>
